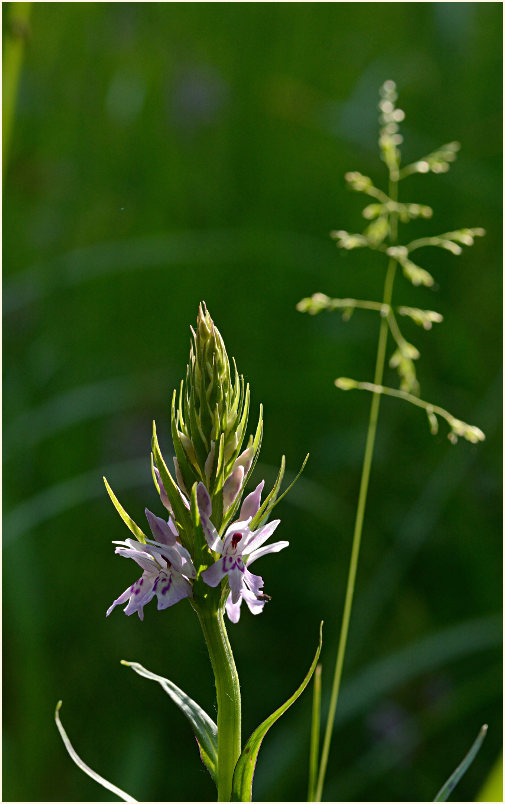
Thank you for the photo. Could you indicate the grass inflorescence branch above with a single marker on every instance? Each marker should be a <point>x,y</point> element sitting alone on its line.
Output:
<point>381,236</point>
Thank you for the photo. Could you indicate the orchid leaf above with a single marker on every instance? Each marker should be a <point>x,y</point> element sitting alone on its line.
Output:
<point>203,726</point>
<point>131,525</point>
<point>246,764</point>
<point>187,471</point>
<point>267,503</point>
<point>272,500</point>
<point>82,765</point>
<point>180,512</point>
<point>446,789</point>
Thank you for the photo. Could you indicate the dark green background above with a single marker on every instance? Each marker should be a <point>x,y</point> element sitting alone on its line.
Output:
<point>165,153</point>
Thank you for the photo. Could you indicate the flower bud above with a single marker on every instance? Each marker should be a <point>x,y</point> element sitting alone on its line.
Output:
<point>209,422</point>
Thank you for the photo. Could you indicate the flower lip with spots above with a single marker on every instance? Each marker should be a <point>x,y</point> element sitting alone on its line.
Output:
<point>167,569</point>
<point>239,545</point>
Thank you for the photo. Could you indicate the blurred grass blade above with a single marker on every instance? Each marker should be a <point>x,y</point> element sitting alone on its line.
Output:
<point>446,789</point>
<point>314,734</point>
<point>204,727</point>
<point>82,765</point>
<point>16,34</point>
<point>492,789</point>
<point>246,764</point>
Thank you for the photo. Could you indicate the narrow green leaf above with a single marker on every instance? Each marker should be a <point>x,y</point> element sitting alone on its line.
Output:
<point>137,532</point>
<point>272,501</point>
<point>446,789</point>
<point>187,471</point>
<point>181,514</point>
<point>82,765</point>
<point>203,726</point>
<point>263,511</point>
<point>246,764</point>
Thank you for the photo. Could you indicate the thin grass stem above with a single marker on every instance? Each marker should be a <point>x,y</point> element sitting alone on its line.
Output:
<point>314,734</point>
<point>363,491</point>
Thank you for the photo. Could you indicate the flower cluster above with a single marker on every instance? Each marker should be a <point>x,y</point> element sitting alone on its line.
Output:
<point>203,545</point>
<point>168,568</point>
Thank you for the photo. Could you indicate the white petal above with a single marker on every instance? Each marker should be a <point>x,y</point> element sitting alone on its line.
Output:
<point>121,599</point>
<point>260,536</point>
<point>171,554</point>
<point>142,558</point>
<point>233,609</point>
<point>254,605</point>
<point>236,580</point>
<point>269,548</point>
<point>213,539</point>
<point>253,582</point>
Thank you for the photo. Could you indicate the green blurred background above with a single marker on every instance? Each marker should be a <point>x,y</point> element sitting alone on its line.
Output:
<point>164,153</point>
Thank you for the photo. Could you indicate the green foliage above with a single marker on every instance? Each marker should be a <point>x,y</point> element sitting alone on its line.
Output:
<point>246,765</point>
<point>203,726</point>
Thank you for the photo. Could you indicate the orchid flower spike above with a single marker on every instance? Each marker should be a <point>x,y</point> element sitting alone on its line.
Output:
<point>167,568</point>
<point>238,547</point>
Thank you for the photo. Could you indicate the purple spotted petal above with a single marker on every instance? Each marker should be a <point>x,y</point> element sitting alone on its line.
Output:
<point>260,536</point>
<point>263,551</point>
<point>142,593</point>
<point>251,504</point>
<point>160,529</point>
<point>214,574</point>
<point>170,587</point>
<point>236,538</point>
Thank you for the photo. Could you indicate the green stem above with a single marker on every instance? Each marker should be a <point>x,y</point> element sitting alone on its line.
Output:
<point>314,733</point>
<point>228,698</point>
<point>17,31</point>
<point>363,490</point>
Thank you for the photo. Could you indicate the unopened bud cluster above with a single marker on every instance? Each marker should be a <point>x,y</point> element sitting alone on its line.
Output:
<point>210,418</point>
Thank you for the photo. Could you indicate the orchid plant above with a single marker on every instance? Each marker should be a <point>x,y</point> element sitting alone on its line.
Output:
<point>202,548</point>
<point>212,531</point>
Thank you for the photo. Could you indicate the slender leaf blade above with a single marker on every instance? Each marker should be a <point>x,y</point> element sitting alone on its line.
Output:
<point>246,764</point>
<point>446,789</point>
<point>124,516</point>
<point>203,726</point>
<point>82,765</point>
